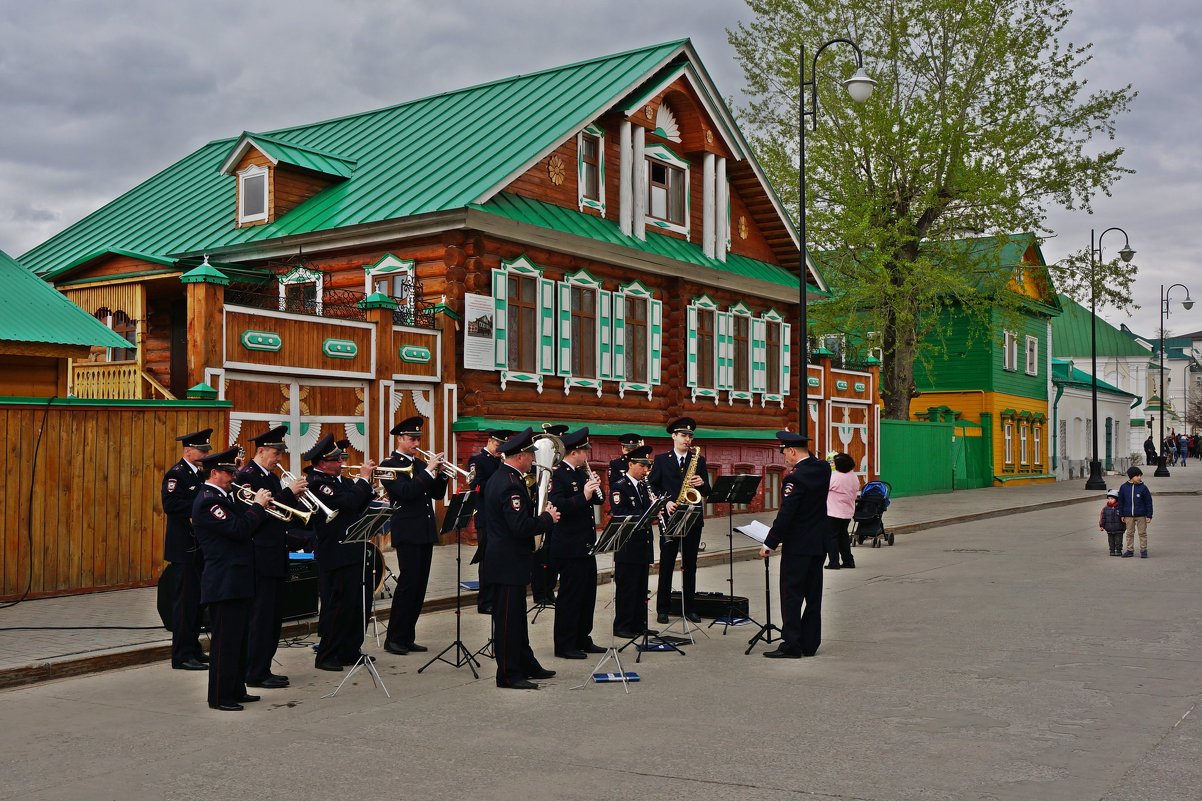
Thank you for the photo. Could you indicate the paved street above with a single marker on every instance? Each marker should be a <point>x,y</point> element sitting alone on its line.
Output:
<point>1006,658</point>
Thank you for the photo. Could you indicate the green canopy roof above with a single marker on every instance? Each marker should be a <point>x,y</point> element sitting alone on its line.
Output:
<point>34,312</point>
<point>1071,334</point>
<point>1064,373</point>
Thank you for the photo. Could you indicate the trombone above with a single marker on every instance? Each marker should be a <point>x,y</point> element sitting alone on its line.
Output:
<point>448,470</point>
<point>276,509</point>
<point>309,499</point>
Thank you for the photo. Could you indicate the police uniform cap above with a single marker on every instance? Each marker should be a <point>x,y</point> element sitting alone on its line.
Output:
<point>791,439</point>
<point>197,439</point>
<point>272,438</point>
<point>226,460</point>
<point>630,440</point>
<point>410,426</point>
<point>555,430</point>
<point>501,434</point>
<point>324,450</point>
<point>641,454</point>
<point>521,441</point>
<point>684,424</point>
<point>577,440</point>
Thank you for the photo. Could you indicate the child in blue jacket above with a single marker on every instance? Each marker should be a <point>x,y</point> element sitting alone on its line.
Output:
<point>1135,507</point>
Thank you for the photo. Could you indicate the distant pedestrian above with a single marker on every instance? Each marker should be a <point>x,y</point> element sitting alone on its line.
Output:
<point>840,506</point>
<point>1170,450</point>
<point>1135,506</point>
<point>1111,522</point>
<point>1150,450</point>
<point>1182,448</point>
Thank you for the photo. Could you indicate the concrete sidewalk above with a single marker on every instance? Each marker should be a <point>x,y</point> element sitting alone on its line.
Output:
<point>58,637</point>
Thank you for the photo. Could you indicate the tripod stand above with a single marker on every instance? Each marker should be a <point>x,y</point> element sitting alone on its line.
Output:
<point>459,511</point>
<point>731,490</point>
<point>361,531</point>
<point>679,524</point>
<point>612,537</point>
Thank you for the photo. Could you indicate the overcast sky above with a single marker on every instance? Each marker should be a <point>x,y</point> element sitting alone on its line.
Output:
<point>96,97</point>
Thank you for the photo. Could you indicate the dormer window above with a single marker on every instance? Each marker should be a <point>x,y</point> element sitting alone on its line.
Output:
<point>252,195</point>
<point>667,190</point>
<point>591,168</point>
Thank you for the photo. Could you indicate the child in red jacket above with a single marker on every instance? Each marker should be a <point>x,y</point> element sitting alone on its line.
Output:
<point>1112,523</point>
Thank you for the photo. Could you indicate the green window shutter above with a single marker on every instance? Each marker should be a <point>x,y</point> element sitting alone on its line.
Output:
<point>546,328</point>
<point>726,351</point>
<point>785,367</point>
<point>619,336</point>
<point>759,355</point>
<point>565,328</point>
<point>692,350</point>
<point>605,348</point>
<point>500,317</point>
<point>657,339</point>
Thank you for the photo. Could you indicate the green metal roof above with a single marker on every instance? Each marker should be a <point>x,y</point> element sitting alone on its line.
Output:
<point>1063,372</point>
<point>1071,337</point>
<point>571,221</point>
<point>434,154</point>
<point>302,157</point>
<point>33,311</point>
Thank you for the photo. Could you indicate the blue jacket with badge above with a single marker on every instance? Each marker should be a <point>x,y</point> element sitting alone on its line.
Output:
<point>224,528</point>
<point>625,501</point>
<point>413,521</point>
<point>1135,500</point>
<point>576,531</point>
<point>351,498</point>
<point>801,524</point>
<point>180,485</point>
<point>512,527</point>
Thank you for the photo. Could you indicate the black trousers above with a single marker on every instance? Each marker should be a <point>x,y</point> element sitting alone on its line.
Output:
<point>511,635</point>
<point>542,579</point>
<point>414,576</point>
<point>575,604</point>
<point>668,548</point>
<point>263,628</point>
<point>838,547</point>
<point>185,610</point>
<point>340,622</point>
<point>630,597</point>
<point>801,588</point>
<point>227,656</point>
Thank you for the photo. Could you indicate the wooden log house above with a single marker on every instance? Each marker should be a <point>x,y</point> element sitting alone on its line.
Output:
<point>592,244</point>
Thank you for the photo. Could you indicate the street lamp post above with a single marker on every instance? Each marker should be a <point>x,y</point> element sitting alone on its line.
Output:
<point>1162,469</point>
<point>860,87</point>
<point>1095,481</point>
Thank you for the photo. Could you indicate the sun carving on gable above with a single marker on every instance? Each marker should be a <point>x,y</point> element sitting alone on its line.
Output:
<point>555,170</point>
<point>665,123</point>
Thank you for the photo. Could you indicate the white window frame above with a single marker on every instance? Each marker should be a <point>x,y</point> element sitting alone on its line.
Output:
<point>253,171</point>
<point>1008,441</point>
<point>1010,352</point>
<point>655,318</point>
<point>772,316</point>
<point>874,350</point>
<point>545,340</point>
<point>693,372</point>
<point>588,202</point>
<point>302,275</point>
<point>666,156</point>
<point>602,334</point>
<point>1037,436</point>
<point>388,266</point>
<point>1023,428</point>
<point>1032,355</point>
<point>733,394</point>
<point>840,349</point>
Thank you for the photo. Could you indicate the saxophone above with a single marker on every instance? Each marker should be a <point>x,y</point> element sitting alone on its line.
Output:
<point>688,494</point>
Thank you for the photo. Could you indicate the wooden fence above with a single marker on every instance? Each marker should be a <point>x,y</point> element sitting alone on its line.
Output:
<point>81,510</point>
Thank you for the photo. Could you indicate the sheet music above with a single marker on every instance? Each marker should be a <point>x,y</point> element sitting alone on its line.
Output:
<point>755,529</point>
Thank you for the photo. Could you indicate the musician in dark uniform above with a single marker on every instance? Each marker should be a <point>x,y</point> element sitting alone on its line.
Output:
<point>180,485</point>
<point>574,492</point>
<point>271,558</point>
<point>481,466</point>
<point>512,529</point>
<point>542,582</point>
<point>667,477</point>
<point>340,566</point>
<point>632,562</point>
<point>224,527</point>
<point>617,467</point>
<point>414,530</point>
<point>800,529</point>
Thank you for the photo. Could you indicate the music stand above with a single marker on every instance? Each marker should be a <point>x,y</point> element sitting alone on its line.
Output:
<point>459,512</point>
<point>682,520</point>
<point>731,490</point>
<point>361,531</point>
<point>541,606</point>
<point>758,532</point>
<point>615,534</point>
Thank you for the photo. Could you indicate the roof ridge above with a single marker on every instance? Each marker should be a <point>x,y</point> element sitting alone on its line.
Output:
<point>273,140</point>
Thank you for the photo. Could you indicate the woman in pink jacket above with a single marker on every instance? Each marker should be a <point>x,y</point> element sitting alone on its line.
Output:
<point>840,506</point>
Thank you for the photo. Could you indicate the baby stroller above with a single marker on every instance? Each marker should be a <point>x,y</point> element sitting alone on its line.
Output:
<point>870,508</point>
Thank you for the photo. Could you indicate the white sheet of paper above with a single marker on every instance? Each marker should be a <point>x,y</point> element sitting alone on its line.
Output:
<point>755,529</point>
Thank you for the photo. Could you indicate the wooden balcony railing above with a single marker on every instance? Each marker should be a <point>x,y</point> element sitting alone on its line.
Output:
<point>116,380</point>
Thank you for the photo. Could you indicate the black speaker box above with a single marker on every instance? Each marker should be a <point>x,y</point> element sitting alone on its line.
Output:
<point>298,596</point>
<point>711,604</point>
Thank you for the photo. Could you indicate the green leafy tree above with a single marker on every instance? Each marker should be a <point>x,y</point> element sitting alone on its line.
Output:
<point>980,122</point>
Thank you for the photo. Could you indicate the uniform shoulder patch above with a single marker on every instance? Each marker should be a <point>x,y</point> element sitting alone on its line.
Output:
<point>516,502</point>
<point>788,490</point>
<point>217,512</point>
<point>171,485</point>
<point>617,499</point>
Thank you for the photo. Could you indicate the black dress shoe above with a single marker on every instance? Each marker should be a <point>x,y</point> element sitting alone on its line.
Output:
<point>692,617</point>
<point>189,664</point>
<point>852,565</point>
<point>395,648</point>
<point>227,707</point>
<point>830,567</point>
<point>569,655</point>
<point>202,658</point>
<point>270,683</point>
<point>328,664</point>
<point>626,635</point>
<point>541,673</point>
<point>247,698</point>
<point>593,649</point>
<point>783,653</point>
<point>520,684</point>
<point>484,610</point>
<point>651,632</point>
<point>662,618</point>
<point>415,648</point>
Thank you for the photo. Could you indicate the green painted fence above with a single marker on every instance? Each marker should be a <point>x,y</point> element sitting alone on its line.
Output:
<point>924,458</point>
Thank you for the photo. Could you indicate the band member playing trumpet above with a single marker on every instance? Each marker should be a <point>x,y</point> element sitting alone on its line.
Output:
<point>513,524</point>
<point>575,490</point>
<point>344,594</point>
<point>632,562</point>
<point>617,467</point>
<point>481,466</point>
<point>668,480</point>
<point>271,558</point>
<point>414,530</point>
<point>224,529</point>
<point>180,486</point>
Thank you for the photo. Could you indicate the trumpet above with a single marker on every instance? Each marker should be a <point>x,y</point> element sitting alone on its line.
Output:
<point>449,470</point>
<point>309,499</point>
<point>276,509</point>
<point>383,473</point>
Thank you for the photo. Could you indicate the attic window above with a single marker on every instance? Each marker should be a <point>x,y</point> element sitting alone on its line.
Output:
<point>252,195</point>
<point>667,189</point>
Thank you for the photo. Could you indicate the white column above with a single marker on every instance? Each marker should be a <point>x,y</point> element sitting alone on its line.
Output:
<point>625,188</point>
<point>707,205</point>
<point>720,212</point>
<point>638,171</point>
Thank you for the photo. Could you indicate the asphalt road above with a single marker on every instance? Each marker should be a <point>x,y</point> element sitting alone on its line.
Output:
<point>1000,659</point>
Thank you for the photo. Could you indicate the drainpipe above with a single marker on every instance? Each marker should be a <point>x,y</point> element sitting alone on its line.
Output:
<point>1056,427</point>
